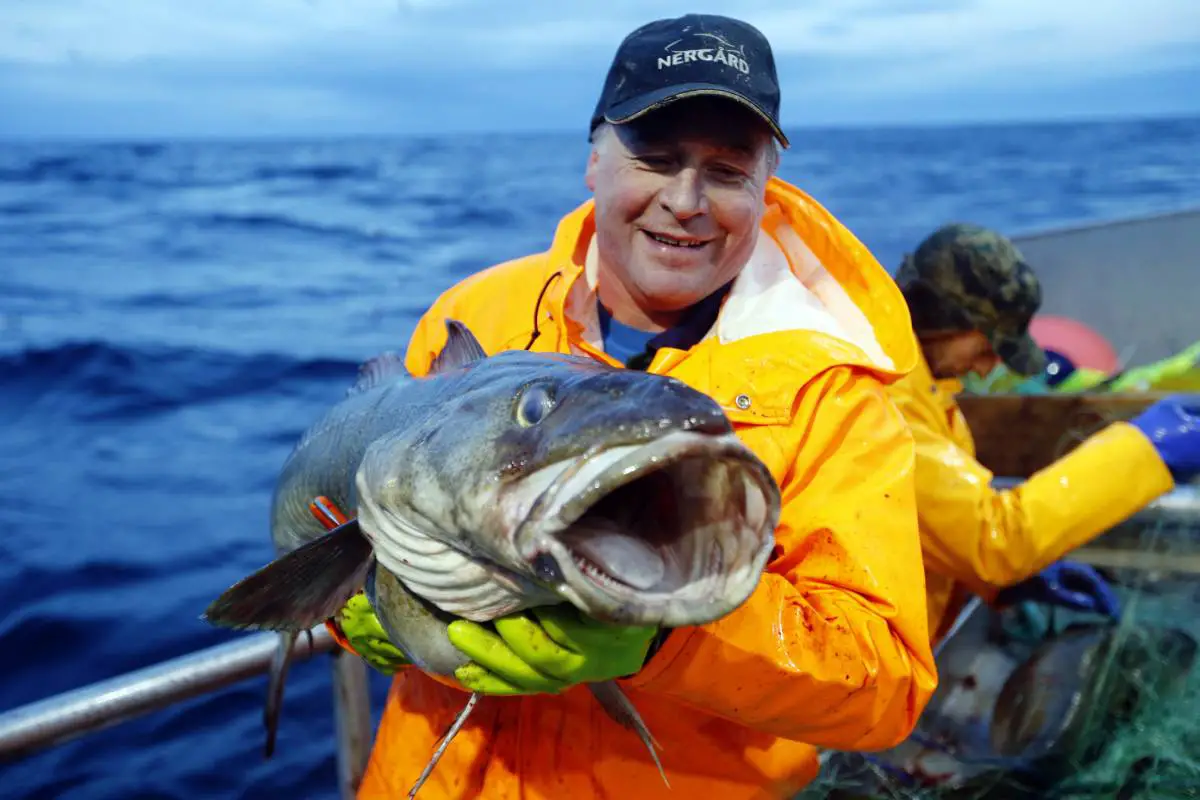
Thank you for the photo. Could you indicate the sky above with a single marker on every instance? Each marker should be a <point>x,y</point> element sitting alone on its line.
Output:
<point>301,68</point>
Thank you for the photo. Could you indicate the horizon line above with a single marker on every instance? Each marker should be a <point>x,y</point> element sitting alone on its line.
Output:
<point>1096,118</point>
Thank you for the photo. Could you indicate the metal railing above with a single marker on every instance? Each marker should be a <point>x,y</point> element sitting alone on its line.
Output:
<point>57,719</point>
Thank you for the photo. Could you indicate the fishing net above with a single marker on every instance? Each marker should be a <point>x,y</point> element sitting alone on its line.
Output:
<point>1135,733</point>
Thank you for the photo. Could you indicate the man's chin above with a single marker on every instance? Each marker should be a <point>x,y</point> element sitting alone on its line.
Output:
<point>670,301</point>
<point>669,291</point>
<point>942,374</point>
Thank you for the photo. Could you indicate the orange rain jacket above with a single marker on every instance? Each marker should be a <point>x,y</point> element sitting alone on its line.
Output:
<point>831,650</point>
<point>979,540</point>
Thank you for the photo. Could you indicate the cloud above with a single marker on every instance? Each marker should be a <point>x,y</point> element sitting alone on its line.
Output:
<point>345,66</point>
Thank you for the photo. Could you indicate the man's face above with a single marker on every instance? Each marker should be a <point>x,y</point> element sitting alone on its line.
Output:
<point>956,354</point>
<point>679,198</point>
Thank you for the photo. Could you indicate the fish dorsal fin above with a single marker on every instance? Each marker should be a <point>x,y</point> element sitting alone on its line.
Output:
<point>380,369</point>
<point>461,349</point>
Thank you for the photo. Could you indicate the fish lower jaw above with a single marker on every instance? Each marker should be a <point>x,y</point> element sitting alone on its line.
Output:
<point>694,601</point>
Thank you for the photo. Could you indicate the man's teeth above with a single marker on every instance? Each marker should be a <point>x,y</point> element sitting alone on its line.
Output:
<point>673,242</point>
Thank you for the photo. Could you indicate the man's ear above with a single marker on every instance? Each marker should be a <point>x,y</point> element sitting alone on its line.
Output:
<point>593,164</point>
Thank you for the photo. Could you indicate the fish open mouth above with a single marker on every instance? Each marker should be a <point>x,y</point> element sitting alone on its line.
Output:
<point>675,531</point>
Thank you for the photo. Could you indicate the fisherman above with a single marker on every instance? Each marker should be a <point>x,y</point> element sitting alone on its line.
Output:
<point>971,296</point>
<point>693,260</point>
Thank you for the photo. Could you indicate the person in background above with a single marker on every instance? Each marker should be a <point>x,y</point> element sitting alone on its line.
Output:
<point>692,259</point>
<point>971,296</point>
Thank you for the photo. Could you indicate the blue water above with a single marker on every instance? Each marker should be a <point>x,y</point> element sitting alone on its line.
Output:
<point>172,315</point>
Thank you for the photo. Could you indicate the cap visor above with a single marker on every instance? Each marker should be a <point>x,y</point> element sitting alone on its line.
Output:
<point>1022,355</point>
<point>652,101</point>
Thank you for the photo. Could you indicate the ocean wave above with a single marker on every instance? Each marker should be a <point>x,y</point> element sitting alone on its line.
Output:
<point>118,380</point>
<point>264,222</point>
<point>319,173</point>
<point>239,297</point>
<point>74,170</point>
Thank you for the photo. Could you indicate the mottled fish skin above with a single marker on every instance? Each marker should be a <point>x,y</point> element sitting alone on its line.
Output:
<point>1085,679</point>
<point>462,483</point>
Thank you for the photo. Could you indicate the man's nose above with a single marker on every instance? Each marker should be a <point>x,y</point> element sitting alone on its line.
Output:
<point>684,195</point>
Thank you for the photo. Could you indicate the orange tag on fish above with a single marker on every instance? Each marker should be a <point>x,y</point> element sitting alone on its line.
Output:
<point>329,515</point>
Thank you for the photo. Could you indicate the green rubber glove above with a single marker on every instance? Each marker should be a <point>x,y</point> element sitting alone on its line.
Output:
<point>558,649</point>
<point>364,633</point>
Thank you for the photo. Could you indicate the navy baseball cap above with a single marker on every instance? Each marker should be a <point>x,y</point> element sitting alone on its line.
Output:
<point>691,56</point>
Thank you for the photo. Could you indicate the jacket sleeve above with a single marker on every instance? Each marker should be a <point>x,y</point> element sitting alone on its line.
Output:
<point>988,539</point>
<point>832,648</point>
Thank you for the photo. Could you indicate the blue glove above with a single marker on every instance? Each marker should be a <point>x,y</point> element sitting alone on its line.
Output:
<point>1065,583</point>
<point>1173,426</point>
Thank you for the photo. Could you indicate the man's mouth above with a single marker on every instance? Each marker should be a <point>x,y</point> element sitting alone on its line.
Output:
<point>693,244</point>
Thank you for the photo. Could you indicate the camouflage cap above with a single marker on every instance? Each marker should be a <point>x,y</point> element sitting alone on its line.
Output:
<point>965,277</point>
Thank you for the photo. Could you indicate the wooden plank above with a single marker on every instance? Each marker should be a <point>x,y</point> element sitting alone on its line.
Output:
<point>1137,559</point>
<point>1017,435</point>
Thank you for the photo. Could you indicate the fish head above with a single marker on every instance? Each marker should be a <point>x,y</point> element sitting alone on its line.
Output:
<point>624,493</point>
<point>642,505</point>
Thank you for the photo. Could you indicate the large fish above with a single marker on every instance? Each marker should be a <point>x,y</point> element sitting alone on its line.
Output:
<point>501,483</point>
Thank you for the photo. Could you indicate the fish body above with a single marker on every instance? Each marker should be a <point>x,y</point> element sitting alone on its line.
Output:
<point>496,484</point>
<point>1086,679</point>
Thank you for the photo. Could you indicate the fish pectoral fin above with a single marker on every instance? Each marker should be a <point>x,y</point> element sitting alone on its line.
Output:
<point>301,589</point>
<point>621,709</point>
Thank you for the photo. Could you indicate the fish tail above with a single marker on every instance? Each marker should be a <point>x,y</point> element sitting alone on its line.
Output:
<point>301,589</point>
<point>280,662</point>
<point>618,706</point>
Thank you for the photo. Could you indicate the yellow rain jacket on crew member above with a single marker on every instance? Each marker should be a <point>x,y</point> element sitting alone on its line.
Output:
<point>831,650</point>
<point>979,540</point>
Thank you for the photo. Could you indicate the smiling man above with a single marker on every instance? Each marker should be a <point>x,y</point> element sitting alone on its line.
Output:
<point>692,260</point>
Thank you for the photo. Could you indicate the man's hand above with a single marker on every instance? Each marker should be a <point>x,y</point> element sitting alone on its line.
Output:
<point>1172,424</point>
<point>1065,583</point>
<point>362,630</point>
<point>546,650</point>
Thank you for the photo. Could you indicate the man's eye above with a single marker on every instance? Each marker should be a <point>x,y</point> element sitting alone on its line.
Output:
<point>656,162</point>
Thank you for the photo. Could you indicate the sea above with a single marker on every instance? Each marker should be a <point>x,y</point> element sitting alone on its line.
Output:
<point>174,313</point>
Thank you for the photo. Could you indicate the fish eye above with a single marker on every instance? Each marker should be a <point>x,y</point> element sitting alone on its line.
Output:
<point>534,404</point>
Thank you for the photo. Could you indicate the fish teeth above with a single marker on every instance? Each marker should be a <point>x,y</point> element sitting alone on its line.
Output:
<point>594,571</point>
